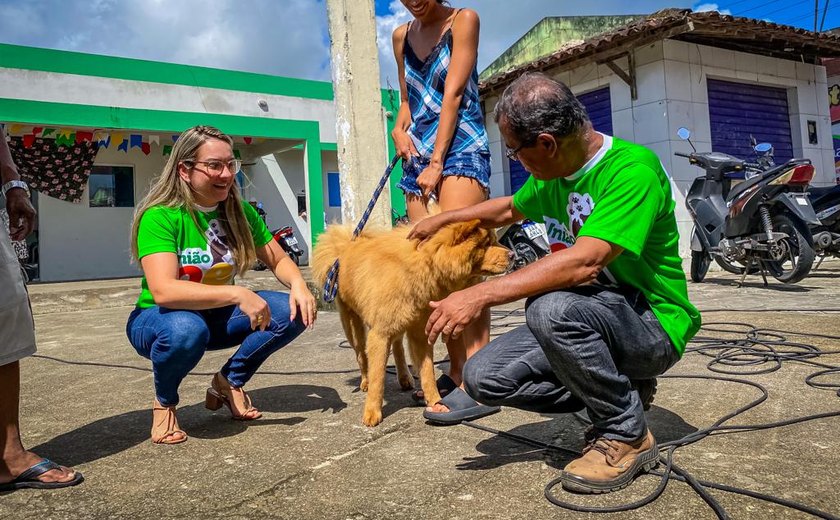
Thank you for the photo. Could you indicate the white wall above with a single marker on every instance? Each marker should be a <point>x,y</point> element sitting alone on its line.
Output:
<point>671,86</point>
<point>89,90</point>
<point>78,242</point>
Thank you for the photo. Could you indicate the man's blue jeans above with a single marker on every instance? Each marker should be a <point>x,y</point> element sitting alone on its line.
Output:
<point>175,340</point>
<point>580,348</point>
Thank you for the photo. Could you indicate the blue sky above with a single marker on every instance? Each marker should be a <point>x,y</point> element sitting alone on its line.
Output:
<point>290,37</point>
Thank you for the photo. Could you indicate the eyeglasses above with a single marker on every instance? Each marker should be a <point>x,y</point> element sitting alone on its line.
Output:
<point>215,168</point>
<point>511,154</point>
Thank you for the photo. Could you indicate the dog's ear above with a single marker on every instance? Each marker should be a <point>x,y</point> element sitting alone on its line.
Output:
<point>463,230</point>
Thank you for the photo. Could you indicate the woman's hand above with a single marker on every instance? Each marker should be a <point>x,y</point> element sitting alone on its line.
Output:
<point>429,179</point>
<point>300,298</point>
<point>254,307</point>
<point>403,144</point>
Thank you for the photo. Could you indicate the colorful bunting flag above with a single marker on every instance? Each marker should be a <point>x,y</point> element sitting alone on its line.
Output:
<point>167,149</point>
<point>247,140</point>
<point>236,154</point>
<point>146,147</point>
<point>37,130</point>
<point>15,129</point>
<point>154,139</point>
<point>136,140</point>
<point>28,140</point>
<point>123,145</point>
<point>84,136</point>
<point>47,132</point>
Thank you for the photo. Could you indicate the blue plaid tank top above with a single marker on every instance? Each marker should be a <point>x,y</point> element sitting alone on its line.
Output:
<point>424,81</point>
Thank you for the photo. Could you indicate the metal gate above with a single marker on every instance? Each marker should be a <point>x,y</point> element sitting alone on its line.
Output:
<point>740,110</point>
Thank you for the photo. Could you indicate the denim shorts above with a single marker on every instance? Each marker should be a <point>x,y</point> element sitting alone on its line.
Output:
<point>475,165</point>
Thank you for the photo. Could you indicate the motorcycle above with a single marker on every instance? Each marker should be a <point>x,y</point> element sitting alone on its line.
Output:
<point>527,240</point>
<point>758,225</point>
<point>826,204</point>
<point>284,236</point>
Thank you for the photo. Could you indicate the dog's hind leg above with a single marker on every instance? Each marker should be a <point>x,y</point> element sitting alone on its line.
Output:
<point>354,330</point>
<point>403,374</point>
<point>422,356</point>
<point>377,357</point>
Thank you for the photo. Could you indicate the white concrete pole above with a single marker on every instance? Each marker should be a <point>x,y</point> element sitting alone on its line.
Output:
<point>359,115</point>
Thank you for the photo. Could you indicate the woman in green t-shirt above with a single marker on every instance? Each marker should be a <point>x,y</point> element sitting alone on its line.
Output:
<point>191,234</point>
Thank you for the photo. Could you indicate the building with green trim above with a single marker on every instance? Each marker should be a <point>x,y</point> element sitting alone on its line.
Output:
<point>284,130</point>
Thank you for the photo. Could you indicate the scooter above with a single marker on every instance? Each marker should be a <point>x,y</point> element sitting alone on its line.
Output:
<point>826,204</point>
<point>527,240</point>
<point>284,236</point>
<point>759,225</point>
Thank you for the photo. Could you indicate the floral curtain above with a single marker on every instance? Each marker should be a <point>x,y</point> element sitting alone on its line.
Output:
<point>57,170</point>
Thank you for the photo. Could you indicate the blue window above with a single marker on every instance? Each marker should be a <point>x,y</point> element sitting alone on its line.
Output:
<point>333,190</point>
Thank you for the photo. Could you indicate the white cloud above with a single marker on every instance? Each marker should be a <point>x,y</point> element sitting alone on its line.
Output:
<point>711,7</point>
<point>288,38</point>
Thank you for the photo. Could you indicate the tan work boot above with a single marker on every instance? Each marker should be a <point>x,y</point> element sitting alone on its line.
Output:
<point>609,465</point>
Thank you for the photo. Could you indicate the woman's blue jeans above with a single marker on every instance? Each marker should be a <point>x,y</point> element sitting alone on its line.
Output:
<point>175,340</point>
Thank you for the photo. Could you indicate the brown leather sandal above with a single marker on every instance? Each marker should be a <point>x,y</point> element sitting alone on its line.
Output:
<point>216,397</point>
<point>173,434</point>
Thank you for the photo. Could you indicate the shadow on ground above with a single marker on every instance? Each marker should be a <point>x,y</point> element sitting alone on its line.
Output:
<point>566,432</point>
<point>106,437</point>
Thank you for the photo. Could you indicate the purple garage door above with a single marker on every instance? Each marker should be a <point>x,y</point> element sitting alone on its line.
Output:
<point>740,110</point>
<point>598,107</point>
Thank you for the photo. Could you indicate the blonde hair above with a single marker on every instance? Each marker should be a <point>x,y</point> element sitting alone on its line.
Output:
<point>171,191</point>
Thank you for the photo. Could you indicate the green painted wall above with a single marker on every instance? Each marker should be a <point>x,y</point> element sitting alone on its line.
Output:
<point>62,114</point>
<point>549,34</point>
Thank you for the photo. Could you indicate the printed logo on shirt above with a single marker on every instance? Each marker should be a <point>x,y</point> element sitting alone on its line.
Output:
<point>212,265</point>
<point>559,236</point>
<point>579,208</point>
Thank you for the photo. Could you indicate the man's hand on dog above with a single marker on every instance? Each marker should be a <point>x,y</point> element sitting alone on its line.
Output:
<point>426,228</point>
<point>452,314</point>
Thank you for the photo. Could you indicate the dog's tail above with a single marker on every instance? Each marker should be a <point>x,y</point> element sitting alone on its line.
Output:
<point>329,246</point>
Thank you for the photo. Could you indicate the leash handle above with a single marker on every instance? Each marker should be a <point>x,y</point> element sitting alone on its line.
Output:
<point>331,285</point>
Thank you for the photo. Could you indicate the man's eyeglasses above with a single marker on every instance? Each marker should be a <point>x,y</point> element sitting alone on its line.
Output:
<point>511,153</point>
<point>215,168</point>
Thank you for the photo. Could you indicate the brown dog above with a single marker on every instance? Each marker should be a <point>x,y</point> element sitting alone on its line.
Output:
<point>385,284</point>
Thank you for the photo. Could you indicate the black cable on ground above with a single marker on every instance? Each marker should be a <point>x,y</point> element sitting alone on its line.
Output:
<point>747,351</point>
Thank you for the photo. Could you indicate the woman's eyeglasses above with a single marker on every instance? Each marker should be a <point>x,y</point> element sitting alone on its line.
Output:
<point>215,168</point>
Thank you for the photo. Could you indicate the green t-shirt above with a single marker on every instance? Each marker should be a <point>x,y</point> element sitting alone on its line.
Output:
<point>203,255</point>
<point>623,196</point>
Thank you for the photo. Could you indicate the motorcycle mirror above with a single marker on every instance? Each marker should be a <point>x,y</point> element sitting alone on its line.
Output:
<point>763,147</point>
<point>684,133</point>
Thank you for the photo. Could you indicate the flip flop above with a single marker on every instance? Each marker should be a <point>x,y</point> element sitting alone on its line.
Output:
<point>445,384</point>
<point>29,478</point>
<point>461,406</point>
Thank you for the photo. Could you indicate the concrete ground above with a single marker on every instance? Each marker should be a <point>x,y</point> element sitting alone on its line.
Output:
<point>86,401</point>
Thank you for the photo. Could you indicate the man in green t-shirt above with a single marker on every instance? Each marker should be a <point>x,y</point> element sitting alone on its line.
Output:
<point>607,311</point>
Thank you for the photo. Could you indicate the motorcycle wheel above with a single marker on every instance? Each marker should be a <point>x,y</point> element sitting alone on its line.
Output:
<point>798,250</point>
<point>525,253</point>
<point>700,263</point>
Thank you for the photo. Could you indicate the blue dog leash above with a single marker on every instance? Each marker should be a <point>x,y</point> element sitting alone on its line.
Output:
<point>331,285</point>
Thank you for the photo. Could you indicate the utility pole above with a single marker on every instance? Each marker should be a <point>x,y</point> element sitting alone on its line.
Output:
<point>360,119</point>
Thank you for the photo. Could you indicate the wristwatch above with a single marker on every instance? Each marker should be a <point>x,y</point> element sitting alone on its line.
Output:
<point>15,184</point>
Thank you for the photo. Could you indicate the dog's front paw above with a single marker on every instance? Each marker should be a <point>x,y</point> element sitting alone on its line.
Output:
<point>372,417</point>
<point>363,385</point>
<point>406,381</point>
